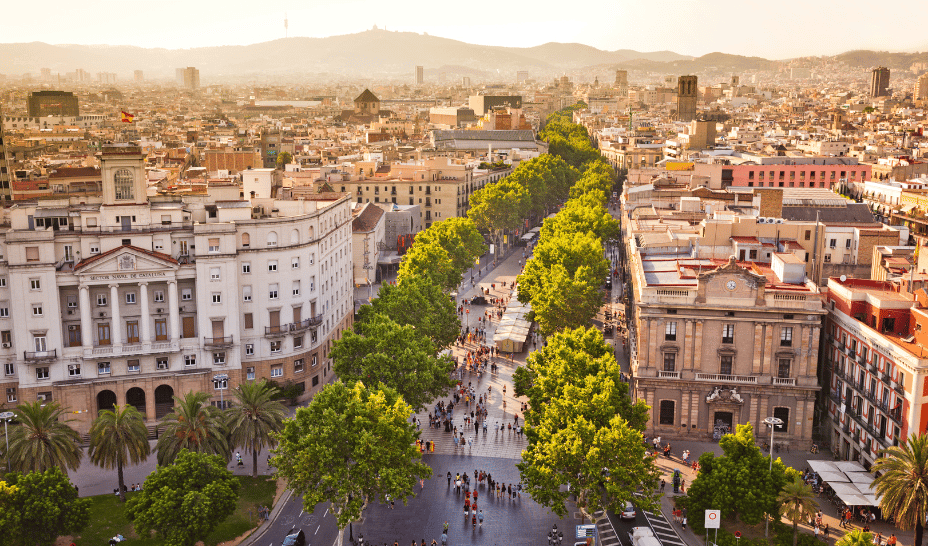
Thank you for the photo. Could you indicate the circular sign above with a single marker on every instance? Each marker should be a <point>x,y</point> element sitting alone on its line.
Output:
<point>737,534</point>
<point>712,515</point>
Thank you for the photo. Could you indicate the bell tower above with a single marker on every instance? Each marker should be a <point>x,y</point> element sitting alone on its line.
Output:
<point>122,167</point>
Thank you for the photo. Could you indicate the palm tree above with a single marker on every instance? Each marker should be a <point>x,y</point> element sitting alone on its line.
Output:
<point>902,483</point>
<point>193,425</point>
<point>857,537</point>
<point>797,503</point>
<point>43,439</point>
<point>118,437</point>
<point>253,417</point>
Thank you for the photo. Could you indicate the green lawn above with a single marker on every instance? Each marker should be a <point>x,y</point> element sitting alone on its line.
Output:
<point>107,516</point>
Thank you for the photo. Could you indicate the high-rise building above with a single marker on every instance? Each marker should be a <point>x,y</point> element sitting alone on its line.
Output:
<point>686,98</point>
<point>879,82</point>
<point>139,76</point>
<point>46,74</point>
<point>921,88</point>
<point>465,81</point>
<point>621,78</point>
<point>6,169</point>
<point>521,76</point>
<point>106,77</point>
<point>188,78</point>
<point>52,103</point>
<point>420,75</point>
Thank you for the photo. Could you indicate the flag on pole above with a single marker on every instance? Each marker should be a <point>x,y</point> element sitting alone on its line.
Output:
<point>127,117</point>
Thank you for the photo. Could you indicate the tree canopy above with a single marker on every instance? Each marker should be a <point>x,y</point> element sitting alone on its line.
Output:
<point>420,303</point>
<point>40,506</point>
<point>902,483</point>
<point>193,425</point>
<point>432,261</point>
<point>253,417</point>
<point>43,439</point>
<point>350,445</point>
<point>118,437</point>
<point>184,501</point>
<point>499,207</point>
<point>460,239</point>
<point>380,350</point>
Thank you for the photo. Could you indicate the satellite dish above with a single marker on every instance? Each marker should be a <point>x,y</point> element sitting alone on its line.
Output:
<point>843,278</point>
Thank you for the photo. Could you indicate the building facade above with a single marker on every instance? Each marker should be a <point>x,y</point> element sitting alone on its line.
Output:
<point>879,82</point>
<point>687,92</point>
<point>52,103</point>
<point>130,300</point>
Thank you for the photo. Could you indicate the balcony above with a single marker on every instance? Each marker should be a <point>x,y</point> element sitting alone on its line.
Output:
<point>131,349</point>
<point>311,322</point>
<point>40,356</point>
<point>784,381</point>
<point>668,375</point>
<point>835,397</point>
<point>722,378</point>
<point>276,331</point>
<point>217,342</point>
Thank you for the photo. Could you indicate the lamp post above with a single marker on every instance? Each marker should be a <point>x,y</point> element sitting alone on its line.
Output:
<point>221,383</point>
<point>6,416</point>
<point>773,423</point>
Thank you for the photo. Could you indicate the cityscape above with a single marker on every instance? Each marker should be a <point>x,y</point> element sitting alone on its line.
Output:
<point>565,282</point>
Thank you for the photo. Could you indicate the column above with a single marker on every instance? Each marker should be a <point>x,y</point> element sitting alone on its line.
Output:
<point>697,350</point>
<point>687,336</point>
<point>145,319</point>
<point>656,336</point>
<point>86,322</point>
<point>173,307</point>
<point>644,335</point>
<point>116,322</point>
<point>685,410</point>
<point>758,343</point>
<point>767,369</point>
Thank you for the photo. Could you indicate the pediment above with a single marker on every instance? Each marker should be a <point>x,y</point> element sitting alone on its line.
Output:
<point>126,262</point>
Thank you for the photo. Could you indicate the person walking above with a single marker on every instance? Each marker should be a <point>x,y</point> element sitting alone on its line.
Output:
<point>480,517</point>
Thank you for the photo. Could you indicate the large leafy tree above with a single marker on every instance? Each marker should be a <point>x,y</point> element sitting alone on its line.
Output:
<point>193,425</point>
<point>578,216</point>
<point>429,260</point>
<point>9,518</point>
<point>118,437</point>
<point>573,251</point>
<point>566,301</point>
<point>797,503</point>
<point>42,506</point>
<point>902,483</point>
<point>350,445</point>
<point>499,207</point>
<point>420,303</point>
<point>380,350</point>
<point>460,239</point>
<point>43,439</point>
<point>739,482</point>
<point>184,501</point>
<point>254,417</point>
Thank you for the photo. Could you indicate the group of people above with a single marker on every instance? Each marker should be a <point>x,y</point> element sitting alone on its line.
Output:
<point>127,488</point>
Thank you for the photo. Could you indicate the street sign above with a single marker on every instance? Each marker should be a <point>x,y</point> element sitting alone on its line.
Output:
<point>586,531</point>
<point>492,249</point>
<point>713,519</point>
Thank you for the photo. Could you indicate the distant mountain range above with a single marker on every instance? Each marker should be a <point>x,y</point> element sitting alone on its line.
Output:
<point>384,54</point>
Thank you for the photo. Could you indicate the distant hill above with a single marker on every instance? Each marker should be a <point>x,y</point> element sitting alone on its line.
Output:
<point>894,61</point>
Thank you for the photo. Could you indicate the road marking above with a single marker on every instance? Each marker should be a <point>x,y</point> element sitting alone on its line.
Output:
<point>301,513</point>
<point>326,513</point>
<point>317,529</point>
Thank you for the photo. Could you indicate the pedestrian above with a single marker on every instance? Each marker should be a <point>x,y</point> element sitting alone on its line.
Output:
<point>449,478</point>
<point>444,538</point>
<point>445,527</point>
<point>480,517</point>
<point>663,482</point>
<point>682,485</point>
<point>422,486</point>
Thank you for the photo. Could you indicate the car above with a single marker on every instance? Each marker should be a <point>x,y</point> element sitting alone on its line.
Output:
<point>609,283</point>
<point>635,534</point>
<point>294,538</point>
<point>478,300</point>
<point>628,512</point>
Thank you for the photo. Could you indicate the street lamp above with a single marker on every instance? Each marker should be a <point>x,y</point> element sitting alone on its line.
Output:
<point>221,383</point>
<point>773,423</point>
<point>6,416</point>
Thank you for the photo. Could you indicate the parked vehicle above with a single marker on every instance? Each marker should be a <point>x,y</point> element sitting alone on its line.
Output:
<point>628,512</point>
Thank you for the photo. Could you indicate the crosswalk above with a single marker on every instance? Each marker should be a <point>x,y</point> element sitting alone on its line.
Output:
<point>607,535</point>
<point>663,530</point>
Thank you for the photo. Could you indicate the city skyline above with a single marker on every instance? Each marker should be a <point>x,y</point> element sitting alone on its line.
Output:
<point>683,26</point>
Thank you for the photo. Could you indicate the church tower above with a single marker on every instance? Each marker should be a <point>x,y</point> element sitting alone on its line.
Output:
<point>122,167</point>
<point>686,98</point>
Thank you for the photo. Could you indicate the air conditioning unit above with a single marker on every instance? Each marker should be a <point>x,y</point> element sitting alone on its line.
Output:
<point>159,310</point>
<point>779,220</point>
<point>7,345</point>
<point>102,313</point>
<point>70,311</point>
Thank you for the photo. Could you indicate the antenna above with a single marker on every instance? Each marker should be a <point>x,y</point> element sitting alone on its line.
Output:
<point>285,25</point>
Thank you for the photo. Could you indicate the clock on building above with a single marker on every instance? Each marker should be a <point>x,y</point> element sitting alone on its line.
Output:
<point>730,285</point>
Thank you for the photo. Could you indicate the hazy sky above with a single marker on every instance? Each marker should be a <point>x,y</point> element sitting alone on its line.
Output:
<point>776,30</point>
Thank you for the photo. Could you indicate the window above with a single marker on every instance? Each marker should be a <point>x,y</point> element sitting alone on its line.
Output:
<point>670,331</point>
<point>272,238</point>
<point>132,366</point>
<point>847,243</point>
<point>130,298</point>
<point>159,296</point>
<point>670,362</point>
<point>41,373</point>
<point>296,288</point>
<point>214,245</point>
<point>298,342</point>
<point>728,333</point>
<point>272,265</point>
<point>43,397</point>
<point>275,346</point>
<point>217,297</point>
<point>2,282</point>
<point>246,268</point>
<point>94,249</point>
<point>249,321</point>
<point>246,240</point>
<point>5,311</point>
<point>246,293</point>
<point>725,364</point>
<point>833,243</point>
<point>32,253</point>
<point>272,290</point>
<point>312,336</point>
<point>277,371</point>
<point>161,363</point>
<point>37,310</point>
<point>783,415</point>
<point>249,349</point>
<point>11,394</point>
<point>123,182</point>
<point>35,284</point>
<point>314,361</point>
<point>298,365</point>
<point>889,324</point>
<point>74,370</point>
<point>667,412</point>
<point>315,380</point>
<point>190,361</point>
<point>9,368</point>
<point>295,263</point>
<point>186,294</point>
<point>783,365</point>
<point>103,368</point>
<point>219,359</point>
<point>250,373</point>
<point>786,336</point>
<point>214,274</point>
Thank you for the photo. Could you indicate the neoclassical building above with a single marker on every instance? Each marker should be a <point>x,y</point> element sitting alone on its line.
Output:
<point>131,298</point>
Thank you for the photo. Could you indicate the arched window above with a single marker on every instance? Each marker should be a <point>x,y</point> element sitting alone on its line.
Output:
<point>246,240</point>
<point>124,183</point>
<point>295,237</point>
<point>312,232</point>
<point>272,238</point>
